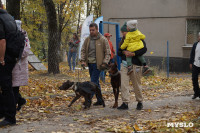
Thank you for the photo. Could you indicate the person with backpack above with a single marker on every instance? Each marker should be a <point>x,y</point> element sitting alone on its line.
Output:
<point>20,71</point>
<point>11,41</point>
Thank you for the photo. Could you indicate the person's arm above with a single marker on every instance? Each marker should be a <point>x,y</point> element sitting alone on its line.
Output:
<point>83,51</point>
<point>192,55</point>
<point>26,48</point>
<point>76,44</point>
<point>2,44</point>
<point>141,36</point>
<point>120,51</point>
<point>2,51</point>
<point>112,49</point>
<point>125,42</point>
<point>107,51</point>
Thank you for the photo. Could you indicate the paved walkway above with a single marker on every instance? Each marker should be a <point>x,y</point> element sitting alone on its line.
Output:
<point>92,120</point>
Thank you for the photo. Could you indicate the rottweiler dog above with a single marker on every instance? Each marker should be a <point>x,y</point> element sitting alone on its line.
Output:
<point>85,89</point>
<point>115,81</point>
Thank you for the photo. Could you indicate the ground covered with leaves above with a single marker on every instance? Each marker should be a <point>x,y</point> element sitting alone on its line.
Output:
<point>165,101</point>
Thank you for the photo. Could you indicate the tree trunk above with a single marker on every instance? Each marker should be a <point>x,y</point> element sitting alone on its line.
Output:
<point>13,7</point>
<point>87,12</point>
<point>53,46</point>
<point>79,19</point>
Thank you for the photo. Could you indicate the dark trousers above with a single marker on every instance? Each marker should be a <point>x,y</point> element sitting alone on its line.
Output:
<point>94,76</point>
<point>18,97</point>
<point>7,99</point>
<point>195,74</point>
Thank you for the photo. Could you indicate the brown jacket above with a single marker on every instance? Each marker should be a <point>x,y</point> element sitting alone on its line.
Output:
<point>102,51</point>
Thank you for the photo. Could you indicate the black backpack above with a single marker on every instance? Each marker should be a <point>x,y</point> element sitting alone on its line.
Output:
<point>15,39</point>
<point>16,44</point>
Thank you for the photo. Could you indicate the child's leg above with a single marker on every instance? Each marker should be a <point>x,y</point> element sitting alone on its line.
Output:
<point>142,60</point>
<point>145,68</point>
<point>129,61</point>
<point>129,65</point>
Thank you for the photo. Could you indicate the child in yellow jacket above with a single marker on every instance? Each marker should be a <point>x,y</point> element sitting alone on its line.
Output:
<point>132,43</point>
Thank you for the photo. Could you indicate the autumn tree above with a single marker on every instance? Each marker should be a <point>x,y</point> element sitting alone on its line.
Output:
<point>35,23</point>
<point>53,46</point>
<point>93,7</point>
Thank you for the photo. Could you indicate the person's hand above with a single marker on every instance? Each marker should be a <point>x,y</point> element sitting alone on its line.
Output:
<point>83,64</point>
<point>104,66</point>
<point>191,66</point>
<point>128,53</point>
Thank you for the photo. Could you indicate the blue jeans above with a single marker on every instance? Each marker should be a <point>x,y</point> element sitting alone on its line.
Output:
<point>73,56</point>
<point>94,76</point>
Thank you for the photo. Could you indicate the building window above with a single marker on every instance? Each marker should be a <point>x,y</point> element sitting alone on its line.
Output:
<point>193,29</point>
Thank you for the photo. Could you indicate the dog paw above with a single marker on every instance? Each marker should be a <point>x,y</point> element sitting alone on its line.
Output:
<point>115,105</point>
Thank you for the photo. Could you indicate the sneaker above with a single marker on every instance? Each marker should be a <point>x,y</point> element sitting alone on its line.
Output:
<point>139,106</point>
<point>145,70</point>
<point>97,103</point>
<point>130,70</point>
<point>124,106</point>
<point>21,103</point>
<point>6,123</point>
<point>195,96</point>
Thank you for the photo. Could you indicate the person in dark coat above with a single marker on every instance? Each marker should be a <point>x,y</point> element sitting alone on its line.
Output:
<point>8,28</point>
<point>195,66</point>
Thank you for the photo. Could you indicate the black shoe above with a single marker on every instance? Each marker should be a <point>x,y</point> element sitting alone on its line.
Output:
<point>21,103</point>
<point>98,103</point>
<point>6,123</point>
<point>145,70</point>
<point>195,96</point>
<point>124,106</point>
<point>139,106</point>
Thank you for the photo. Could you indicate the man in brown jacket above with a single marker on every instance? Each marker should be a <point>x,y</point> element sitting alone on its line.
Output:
<point>95,53</point>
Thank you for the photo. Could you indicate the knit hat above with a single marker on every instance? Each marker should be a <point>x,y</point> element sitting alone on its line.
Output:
<point>132,24</point>
<point>124,28</point>
<point>107,34</point>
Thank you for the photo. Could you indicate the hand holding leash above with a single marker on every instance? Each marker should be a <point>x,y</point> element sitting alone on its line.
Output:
<point>83,64</point>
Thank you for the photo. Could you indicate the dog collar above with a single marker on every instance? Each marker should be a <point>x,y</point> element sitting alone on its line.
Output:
<point>115,74</point>
<point>74,86</point>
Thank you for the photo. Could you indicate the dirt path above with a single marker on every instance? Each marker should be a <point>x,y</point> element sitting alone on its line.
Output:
<point>103,119</point>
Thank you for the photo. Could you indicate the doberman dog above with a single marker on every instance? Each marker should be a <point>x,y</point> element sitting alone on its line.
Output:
<point>85,89</point>
<point>115,81</point>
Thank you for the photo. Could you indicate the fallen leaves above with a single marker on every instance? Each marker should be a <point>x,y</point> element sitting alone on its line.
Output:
<point>45,100</point>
